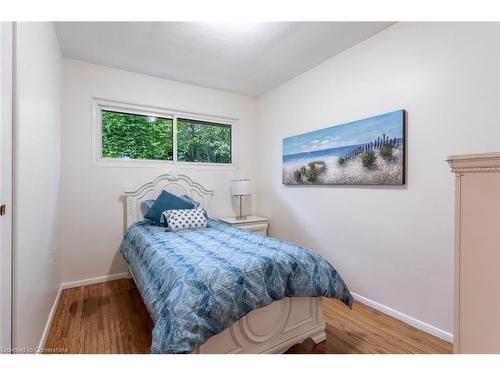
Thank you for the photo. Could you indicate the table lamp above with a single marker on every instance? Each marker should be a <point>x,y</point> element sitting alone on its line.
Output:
<point>240,188</point>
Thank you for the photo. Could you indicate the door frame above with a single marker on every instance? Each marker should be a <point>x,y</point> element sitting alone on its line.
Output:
<point>6,133</point>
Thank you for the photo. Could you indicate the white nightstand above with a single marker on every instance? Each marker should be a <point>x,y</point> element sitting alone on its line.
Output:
<point>256,223</point>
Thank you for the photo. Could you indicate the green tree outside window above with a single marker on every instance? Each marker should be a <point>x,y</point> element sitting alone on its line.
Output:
<point>203,142</point>
<point>132,136</point>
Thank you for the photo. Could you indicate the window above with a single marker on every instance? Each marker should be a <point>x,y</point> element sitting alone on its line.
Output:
<point>127,135</point>
<point>130,136</point>
<point>203,142</point>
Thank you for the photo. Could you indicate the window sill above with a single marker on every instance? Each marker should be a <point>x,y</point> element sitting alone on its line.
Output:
<point>134,163</point>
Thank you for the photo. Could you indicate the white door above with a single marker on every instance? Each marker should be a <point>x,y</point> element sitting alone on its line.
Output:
<point>5,184</point>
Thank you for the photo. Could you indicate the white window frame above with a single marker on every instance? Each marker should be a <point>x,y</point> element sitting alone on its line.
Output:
<point>99,105</point>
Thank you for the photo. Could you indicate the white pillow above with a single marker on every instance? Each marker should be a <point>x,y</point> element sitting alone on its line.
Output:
<point>185,219</point>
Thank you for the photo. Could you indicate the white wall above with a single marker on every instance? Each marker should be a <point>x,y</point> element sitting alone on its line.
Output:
<point>393,245</point>
<point>37,170</point>
<point>6,50</point>
<point>92,214</point>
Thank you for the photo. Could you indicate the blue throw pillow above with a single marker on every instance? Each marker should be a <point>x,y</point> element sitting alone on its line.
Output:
<point>146,205</point>
<point>166,201</point>
<point>189,199</point>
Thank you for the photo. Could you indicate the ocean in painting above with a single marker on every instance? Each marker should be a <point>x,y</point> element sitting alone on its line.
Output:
<point>368,151</point>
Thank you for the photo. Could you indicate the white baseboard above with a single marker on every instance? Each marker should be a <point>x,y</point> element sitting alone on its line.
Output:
<point>423,326</point>
<point>94,280</point>
<point>45,334</point>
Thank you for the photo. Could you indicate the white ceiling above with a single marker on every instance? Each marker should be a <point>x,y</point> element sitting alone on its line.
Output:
<point>244,58</point>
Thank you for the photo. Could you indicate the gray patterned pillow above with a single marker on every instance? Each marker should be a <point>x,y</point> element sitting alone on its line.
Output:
<point>185,219</point>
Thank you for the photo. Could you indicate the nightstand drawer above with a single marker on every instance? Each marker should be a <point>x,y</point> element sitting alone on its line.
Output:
<point>256,227</point>
<point>257,224</point>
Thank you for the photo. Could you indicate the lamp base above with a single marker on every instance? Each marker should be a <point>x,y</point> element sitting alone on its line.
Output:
<point>241,217</point>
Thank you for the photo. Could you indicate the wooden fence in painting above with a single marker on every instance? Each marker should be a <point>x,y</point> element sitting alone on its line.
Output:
<point>373,145</point>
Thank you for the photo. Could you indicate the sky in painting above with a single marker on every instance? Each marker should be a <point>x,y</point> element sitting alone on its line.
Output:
<point>352,133</point>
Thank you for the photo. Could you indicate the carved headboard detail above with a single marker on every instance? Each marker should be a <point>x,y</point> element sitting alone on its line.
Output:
<point>176,184</point>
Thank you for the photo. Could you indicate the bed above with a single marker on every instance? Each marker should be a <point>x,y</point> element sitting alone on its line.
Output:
<point>223,289</point>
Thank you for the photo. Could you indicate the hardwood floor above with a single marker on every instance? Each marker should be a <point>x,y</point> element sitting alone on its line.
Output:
<point>110,317</point>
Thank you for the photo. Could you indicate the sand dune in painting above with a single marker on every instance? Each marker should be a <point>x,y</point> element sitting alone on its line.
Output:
<point>383,171</point>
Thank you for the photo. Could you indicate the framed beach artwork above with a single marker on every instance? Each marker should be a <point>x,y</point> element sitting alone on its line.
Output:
<point>364,152</point>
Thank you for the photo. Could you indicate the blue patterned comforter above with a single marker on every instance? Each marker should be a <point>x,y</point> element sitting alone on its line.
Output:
<point>197,282</point>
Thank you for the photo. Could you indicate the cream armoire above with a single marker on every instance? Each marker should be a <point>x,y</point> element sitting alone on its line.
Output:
<point>477,253</point>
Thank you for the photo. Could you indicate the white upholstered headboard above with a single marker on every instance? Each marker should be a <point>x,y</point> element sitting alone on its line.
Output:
<point>176,184</point>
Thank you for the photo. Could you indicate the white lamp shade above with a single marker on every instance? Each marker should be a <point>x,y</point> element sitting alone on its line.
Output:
<point>241,187</point>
